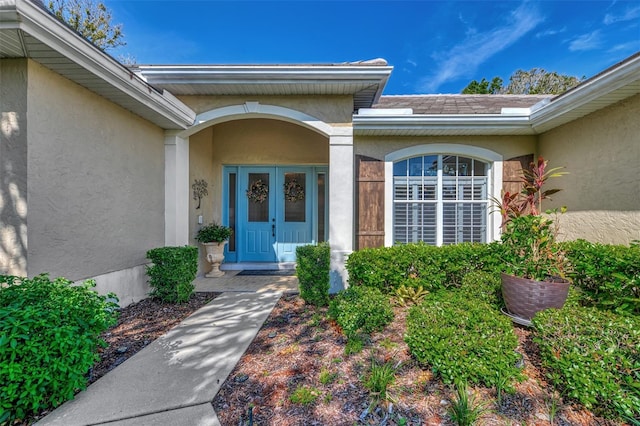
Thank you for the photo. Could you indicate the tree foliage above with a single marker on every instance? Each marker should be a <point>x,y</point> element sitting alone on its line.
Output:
<point>483,87</point>
<point>91,19</point>
<point>536,81</point>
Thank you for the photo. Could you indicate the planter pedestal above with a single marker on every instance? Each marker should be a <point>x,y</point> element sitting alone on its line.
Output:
<point>215,256</point>
<point>524,297</point>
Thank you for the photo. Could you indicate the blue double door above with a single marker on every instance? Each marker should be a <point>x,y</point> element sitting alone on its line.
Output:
<point>278,210</point>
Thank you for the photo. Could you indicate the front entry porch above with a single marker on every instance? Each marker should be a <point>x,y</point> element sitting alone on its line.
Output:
<point>272,211</point>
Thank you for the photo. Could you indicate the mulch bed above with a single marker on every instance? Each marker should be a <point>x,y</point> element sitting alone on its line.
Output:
<point>140,324</point>
<point>298,342</point>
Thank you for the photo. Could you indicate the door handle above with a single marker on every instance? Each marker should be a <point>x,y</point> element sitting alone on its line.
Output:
<point>273,228</point>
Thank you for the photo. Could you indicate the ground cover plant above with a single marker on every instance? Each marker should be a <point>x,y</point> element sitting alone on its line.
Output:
<point>593,357</point>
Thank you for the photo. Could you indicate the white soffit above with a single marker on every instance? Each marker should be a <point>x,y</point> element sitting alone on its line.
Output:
<point>29,31</point>
<point>365,82</point>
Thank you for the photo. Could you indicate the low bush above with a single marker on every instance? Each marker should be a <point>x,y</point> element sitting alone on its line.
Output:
<point>464,339</point>
<point>172,273</point>
<point>312,269</point>
<point>609,275</point>
<point>593,357</point>
<point>49,337</point>
<point>415,265</point>
<point>483,286</point>
<point>361,310</point>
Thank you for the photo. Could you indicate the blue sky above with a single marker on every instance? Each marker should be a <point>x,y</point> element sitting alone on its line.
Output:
<point>434,46</point>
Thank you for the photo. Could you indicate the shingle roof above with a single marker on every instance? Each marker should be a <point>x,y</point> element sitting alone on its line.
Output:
<point>459,104</point>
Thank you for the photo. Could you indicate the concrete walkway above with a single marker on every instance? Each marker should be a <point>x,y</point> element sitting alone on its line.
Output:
<point>174,379</point>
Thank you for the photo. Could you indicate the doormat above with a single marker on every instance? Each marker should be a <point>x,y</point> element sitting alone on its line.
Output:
<point>275,273</point>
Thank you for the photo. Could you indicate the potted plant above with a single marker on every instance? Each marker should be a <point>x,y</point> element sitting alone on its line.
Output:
<point>535,266</point>
<point>214,237</point>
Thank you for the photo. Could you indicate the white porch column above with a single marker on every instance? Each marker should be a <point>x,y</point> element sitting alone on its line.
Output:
<point>341,204</point>
<point>176,190</point>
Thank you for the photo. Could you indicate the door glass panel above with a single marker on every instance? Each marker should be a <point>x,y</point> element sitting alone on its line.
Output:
<point>232,211</point>
<point>321,206</point>
<point>294,197</point>
<point>258,195</point>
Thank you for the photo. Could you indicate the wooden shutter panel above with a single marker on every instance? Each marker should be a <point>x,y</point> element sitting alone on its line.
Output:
<point>512,172</point>
<point>370,205</point>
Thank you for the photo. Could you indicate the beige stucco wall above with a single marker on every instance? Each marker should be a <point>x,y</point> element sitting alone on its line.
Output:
<point>245,142</point>
<point>13,166</point>
<point>334,110</point>
<point>507,146</point>
<point>601,152</point>
<point>96,181</point>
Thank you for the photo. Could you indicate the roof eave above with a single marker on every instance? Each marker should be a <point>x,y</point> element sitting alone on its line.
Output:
<point>421,125</point>
<point>33,20</point>
<point>299,79</point>
<point>602,87</point>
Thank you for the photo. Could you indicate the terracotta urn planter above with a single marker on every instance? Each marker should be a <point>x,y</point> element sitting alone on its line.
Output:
<point>524,297</point>
<point>215,256</point>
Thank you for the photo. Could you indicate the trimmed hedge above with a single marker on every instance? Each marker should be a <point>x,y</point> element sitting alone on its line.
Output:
<point>420,264</point>
<point>361,310</point>
<point>593,357</point>
<point>482,286</point>
<point>463,339</point>
<point>312,269</point>
<point>172,273</point>
<point>49,336</point>
<point>608,275</point>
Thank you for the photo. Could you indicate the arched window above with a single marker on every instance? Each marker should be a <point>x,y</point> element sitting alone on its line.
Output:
<point>441,199</point>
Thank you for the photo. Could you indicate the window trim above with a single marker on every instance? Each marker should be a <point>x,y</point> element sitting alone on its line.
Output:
<point>494,172</point>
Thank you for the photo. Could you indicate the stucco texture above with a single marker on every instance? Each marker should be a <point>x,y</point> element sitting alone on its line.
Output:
<point>601,152</point>
<point>507,146</point>
<point>334,110</point>
<point>13,166</point>
<point>96,181</point>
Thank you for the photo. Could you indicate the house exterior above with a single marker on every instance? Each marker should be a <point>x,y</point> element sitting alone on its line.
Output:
<point>98,160</point>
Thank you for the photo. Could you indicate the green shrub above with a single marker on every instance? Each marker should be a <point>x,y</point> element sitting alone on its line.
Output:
<point>609,275</point>
<point>172,273</point>
<point>49,336</point>
<point>415,265</point>
<point>361,310</point>
<point>592,356</point>
<point>463,338</point>
<point>483,286</point>
<point>312,270</point>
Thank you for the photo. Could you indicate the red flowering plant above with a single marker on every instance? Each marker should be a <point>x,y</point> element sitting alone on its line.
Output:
<point>529,238</point>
